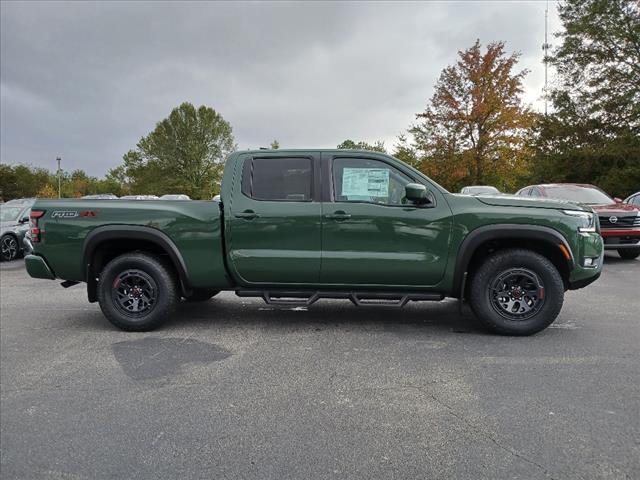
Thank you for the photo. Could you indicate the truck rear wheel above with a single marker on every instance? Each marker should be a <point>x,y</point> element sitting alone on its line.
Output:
<point>516,292</point>
<point>137,292</point>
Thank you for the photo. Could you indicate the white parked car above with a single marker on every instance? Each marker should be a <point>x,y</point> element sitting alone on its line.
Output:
<point>175,196</point>
<point>140,197</point>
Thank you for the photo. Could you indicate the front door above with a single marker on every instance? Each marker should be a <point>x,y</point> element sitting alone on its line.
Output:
<point>371,235</point>
<point>275,221</point>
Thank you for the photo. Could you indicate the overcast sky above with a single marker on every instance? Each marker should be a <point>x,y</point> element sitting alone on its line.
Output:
<point>86,80</point>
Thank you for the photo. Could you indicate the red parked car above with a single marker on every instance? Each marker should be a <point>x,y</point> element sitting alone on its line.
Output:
<point>619,222</point>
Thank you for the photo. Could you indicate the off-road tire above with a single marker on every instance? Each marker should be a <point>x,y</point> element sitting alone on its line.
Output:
<point>488,310</point>
<point>201,295</point>
<point>149,268</point>
<point>629,253</point>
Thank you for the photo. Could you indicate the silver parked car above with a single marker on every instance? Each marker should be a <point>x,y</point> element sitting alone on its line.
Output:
<point>633,199</point>
<point>14,224</point>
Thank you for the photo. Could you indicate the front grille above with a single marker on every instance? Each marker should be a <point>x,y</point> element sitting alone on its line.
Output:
<point>628,221</point>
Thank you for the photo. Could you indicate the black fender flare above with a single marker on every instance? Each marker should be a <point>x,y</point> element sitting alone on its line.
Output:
<point>99,235</point>
<point>502,231</point>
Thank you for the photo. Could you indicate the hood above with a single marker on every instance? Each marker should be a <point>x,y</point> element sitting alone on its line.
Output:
<point>616,208</point>
<point>517,201</point>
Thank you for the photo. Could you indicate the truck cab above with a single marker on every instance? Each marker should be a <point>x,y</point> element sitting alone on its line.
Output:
<point>333,218</point>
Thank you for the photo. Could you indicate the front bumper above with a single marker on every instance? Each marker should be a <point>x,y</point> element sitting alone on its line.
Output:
<point>37,267</point>
<point>620,239</point>
<point>590,246</point>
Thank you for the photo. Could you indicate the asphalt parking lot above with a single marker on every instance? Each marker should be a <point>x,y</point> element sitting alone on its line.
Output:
<point>237,389</point>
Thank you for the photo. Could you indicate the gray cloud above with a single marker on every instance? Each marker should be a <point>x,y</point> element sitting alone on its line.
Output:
<point>86,80</point>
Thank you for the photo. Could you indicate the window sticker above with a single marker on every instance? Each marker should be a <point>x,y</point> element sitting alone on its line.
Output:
<point>365,182</point>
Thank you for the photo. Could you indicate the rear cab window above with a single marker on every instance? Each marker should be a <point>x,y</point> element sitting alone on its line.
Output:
<point>282,179</point>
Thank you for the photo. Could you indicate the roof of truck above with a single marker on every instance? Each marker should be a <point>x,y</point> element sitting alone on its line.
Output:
<point>300,150</point>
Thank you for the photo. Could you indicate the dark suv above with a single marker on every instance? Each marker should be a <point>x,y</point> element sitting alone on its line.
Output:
<point>619,222</point>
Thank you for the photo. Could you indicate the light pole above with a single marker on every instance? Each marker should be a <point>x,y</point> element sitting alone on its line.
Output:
<point>545,47</point>
<point>58,159</point>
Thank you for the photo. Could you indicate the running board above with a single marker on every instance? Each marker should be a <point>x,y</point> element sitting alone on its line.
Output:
<point>304,298</point>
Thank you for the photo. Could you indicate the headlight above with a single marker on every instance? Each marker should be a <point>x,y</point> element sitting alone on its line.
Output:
<point>588,219</point>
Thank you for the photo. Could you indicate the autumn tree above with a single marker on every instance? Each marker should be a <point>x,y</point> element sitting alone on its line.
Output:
<point>593,132</point>
<point>475,127</point>
<point>47,191</point>
<point>378,146</point>
<point>185,153</point>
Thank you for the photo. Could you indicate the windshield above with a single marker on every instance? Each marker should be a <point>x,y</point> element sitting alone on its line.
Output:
<point>575,193</point>
<point>9,214</point>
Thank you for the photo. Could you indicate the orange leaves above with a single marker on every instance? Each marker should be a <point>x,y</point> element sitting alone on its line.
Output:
<point>474,128</point>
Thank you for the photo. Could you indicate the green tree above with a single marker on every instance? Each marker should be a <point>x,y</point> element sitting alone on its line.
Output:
<point>18,181</point>
<point>475,128</point>
<point>598,61</point>
<point>184,154</point>
<point>116,182</point>
<point>406,152</point>
<point>351,145</point>
<point>593,135</point>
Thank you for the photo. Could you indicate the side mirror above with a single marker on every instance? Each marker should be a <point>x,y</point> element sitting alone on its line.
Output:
<point>617,200</point>
<point>417,193</point>
<point>24,220</point>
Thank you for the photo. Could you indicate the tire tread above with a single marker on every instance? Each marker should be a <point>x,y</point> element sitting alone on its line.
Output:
<point>164,277</point>
<point>502,259</point>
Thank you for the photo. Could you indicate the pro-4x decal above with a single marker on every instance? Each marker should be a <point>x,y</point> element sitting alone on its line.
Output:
<point>64,214</point>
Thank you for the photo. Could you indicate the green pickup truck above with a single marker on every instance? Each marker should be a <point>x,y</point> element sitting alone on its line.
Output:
<point>295,226</point>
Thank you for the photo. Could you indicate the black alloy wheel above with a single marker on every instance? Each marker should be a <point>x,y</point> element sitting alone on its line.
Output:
<point>516,294</point>
<point>134,293</point>
<point>138,291</point>
<point>516,291</point>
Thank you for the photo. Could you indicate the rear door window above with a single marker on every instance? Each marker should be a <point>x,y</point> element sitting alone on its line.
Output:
<point>287,179</point>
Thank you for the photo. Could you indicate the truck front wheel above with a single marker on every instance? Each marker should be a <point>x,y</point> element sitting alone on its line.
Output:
<point>516,292</point>
<point>137,292</point>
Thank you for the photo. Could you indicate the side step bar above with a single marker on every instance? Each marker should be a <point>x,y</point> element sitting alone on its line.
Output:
<point>305,298</point>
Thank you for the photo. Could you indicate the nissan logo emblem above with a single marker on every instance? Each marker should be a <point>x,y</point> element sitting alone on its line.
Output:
<point>613,219</point>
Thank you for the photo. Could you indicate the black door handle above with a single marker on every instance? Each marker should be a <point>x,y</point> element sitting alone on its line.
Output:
<point>339,215</point>
<point>247,215</point>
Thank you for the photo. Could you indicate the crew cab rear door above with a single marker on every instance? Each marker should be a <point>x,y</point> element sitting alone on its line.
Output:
<point>275,219</point>
<point>371,235</point>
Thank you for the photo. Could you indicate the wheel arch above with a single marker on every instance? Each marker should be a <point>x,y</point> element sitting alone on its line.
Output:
<point>109,241</point>
<point>544,240</point>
